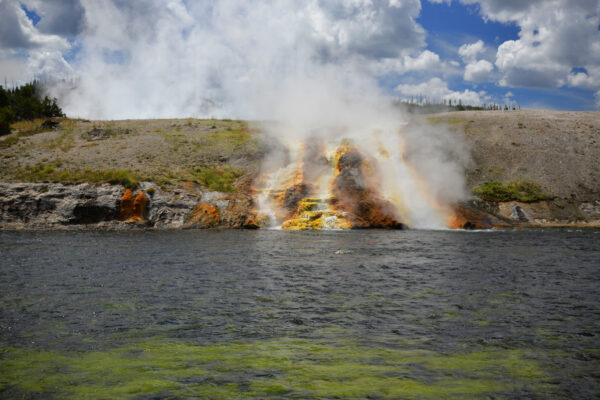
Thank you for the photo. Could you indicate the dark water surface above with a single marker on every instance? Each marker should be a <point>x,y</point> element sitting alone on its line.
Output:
<point>233,314</point>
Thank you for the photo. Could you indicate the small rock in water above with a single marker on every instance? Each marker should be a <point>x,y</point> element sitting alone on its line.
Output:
<point>343,251</point>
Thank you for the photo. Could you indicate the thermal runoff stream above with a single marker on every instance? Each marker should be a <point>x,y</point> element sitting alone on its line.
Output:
<point>344,179</point>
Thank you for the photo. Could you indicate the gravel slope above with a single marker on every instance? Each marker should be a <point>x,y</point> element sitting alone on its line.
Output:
<point>558,149</point>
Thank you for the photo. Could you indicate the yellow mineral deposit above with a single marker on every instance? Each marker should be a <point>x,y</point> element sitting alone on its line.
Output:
<point>314,213</point>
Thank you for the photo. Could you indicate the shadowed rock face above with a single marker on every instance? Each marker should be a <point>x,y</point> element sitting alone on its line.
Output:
<point>355,192</point>
<point>91,213</point>
<point>294,194</point>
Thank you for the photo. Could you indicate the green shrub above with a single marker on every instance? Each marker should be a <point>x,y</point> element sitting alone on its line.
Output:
<point>9,141</point>
<point>6,117</point>
<point>528,191</point>
<point>523,191</point>
<point>219,179</point>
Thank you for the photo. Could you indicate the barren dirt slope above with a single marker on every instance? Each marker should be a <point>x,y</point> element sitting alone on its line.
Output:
<point>558,149</point>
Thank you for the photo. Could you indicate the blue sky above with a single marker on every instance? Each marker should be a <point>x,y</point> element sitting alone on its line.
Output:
<point>457,23</point>
<point>536,53</point>
<point>449,26</point>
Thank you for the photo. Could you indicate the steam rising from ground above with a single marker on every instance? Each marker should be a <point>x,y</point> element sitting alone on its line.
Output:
<point>311,75</point>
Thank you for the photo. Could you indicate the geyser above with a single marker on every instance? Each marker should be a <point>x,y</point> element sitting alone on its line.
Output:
<point>345,183</point>
<point>348,158</point>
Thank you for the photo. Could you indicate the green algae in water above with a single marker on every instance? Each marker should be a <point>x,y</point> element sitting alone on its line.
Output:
<point>300,368</point>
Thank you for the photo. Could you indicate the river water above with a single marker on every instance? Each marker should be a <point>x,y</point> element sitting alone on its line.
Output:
<point>259,314</point>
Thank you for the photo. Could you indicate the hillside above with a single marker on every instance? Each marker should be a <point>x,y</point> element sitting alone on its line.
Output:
<point>558,149</point>
<point>167,152</point>
<point>202,170</point>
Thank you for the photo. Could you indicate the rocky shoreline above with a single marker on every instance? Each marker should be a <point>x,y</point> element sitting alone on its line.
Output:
<point>479,214</point>
<point>114,207</point>
<point>30,206</point>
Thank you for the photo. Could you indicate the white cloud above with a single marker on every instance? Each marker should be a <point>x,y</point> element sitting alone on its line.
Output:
<point>48,65</point>
<point>583,80</point>
<point>437,90</point>
<point>18,32</point>
<point>524,65</point>
<point>13,71</point>
<point>167,57</point>
<point>469,52</point>
<point>478,71</point>
<point>374,29</point>
<point>61,17</point>
<point>555,37</point>
<point>36,54</point>
<point>426,61</point>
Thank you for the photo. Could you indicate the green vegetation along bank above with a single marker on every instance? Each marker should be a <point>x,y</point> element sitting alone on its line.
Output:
<point>25,103</point>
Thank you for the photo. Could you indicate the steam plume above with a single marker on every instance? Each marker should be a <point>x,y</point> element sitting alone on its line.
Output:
<point>309,69</point>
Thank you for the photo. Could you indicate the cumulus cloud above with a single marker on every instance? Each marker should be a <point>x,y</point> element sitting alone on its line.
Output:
<point>437,90</point>
<point>18,32</point>
<point>475,70</point>
<point>580,79</point>
<point>58,17</point>
<point>469,52</point>
<point>478,71</point>
<point>555,37</point>
<point>374,29</point>
<point>426,61</point>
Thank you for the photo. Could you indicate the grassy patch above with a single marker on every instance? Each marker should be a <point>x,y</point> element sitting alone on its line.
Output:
<point>234,136</point>
<point>175,140</point>
<point>9,141</point>
<point>64,141</point>
<point>54,173</point>
<point>523,191</point>
<point>219,179</point>
<point>441,120</point>
<point>23,129</point>
<point>285,367</point>
<point>28,125</point>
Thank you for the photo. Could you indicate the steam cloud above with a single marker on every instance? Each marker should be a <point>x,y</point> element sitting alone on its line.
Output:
<point>310,67</point>
<point>176,58</point>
